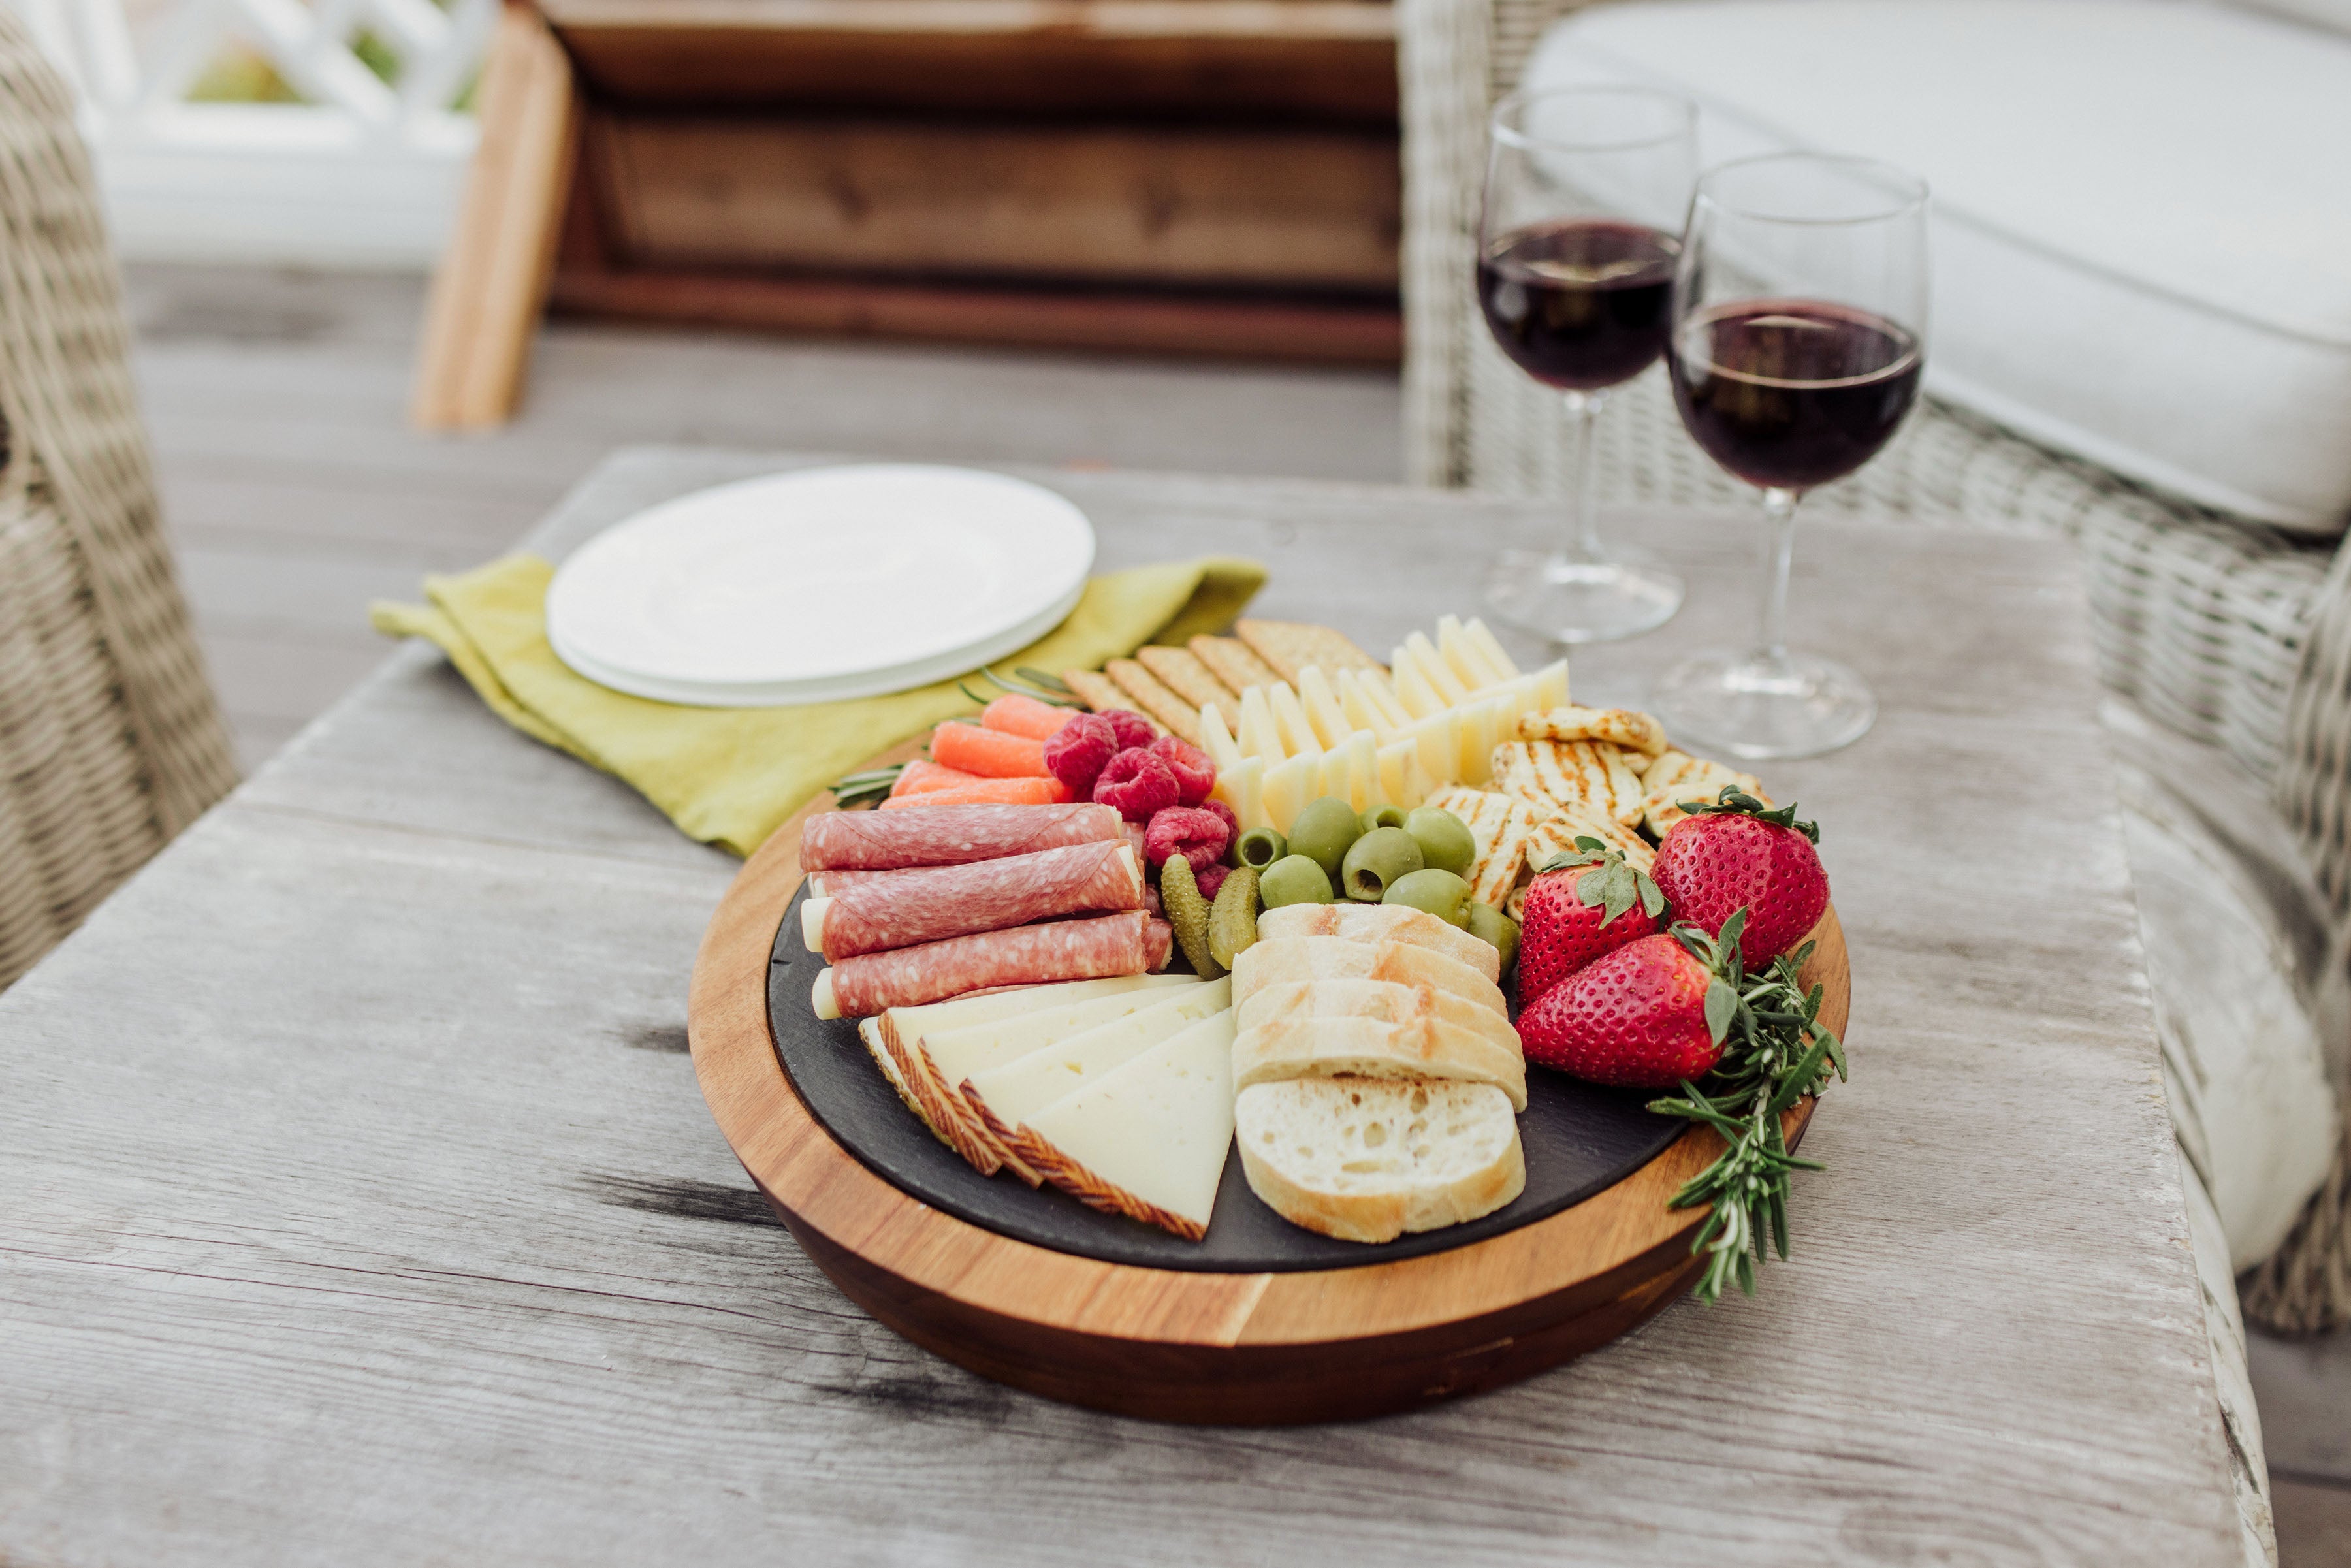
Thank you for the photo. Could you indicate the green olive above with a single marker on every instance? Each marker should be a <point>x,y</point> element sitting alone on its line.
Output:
<point>1440,892</point>
<point>1444,839</point>
<point>1489,924</point>
<point>1382,856</point>
<point>1324,831</point>
<point>1294,879</point>
<point>1260,847</point>
<point>1382,817</point>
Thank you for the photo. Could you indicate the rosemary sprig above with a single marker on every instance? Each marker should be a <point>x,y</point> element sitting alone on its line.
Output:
<point>871,785</point>
<point>1774,1051</point>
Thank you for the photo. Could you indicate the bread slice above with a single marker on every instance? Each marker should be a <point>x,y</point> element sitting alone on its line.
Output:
<point>1375,1029</point>
<point>1377,922</point>
<point>1367,1160</point>
<point>1292,958</point>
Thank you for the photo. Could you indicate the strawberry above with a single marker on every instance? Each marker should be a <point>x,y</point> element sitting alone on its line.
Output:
<point>1650,1015</point>
<point>1578,907</point>
<point>1737,854</point>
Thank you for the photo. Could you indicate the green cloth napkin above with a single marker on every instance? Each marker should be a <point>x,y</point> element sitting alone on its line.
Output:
<point>730,776</point>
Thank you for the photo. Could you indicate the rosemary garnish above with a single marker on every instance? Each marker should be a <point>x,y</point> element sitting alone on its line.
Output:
<point>871,785</point>
<point>1774,1051</point>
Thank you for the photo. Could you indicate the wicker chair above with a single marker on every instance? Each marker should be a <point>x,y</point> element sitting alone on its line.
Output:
<point>110,739</point>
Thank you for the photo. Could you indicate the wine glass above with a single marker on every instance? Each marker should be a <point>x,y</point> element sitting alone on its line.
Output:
<point>1586,189</point>
<point>1799,329</point>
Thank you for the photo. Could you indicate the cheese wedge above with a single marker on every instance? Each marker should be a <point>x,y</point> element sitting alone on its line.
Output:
<point>1439,740</point>
<point>1464,658</point>
<point>1403,781</point>
<point>1377,923</point>
<point>1488,643</point>
<point>1382,694</point>
<point>1288,787</point>
<point>1320,701</point>
<point>1286,960</point>
<point>1258,735</point>
<point>1242,786</point>
<point>1003,1097</point>
<point>1147,1140</point>
<point>905,1025</point>
<point>1375,1028</point>
<point>1217,741</point>
<point>870,1032</point>
<point>1363,754</point>
<point>1290,720</point>
<point>1433,669</point>
<point>1360,708</point>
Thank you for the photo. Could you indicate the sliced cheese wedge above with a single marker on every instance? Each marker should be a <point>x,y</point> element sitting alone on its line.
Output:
<point>1435,670</point>
<point>1216,741</point>
<point>1242,786</point>
<point>1437,738</point>
<point>1464,658</point>
<point>1320,701</point>
<point>1149,1139</point>
<point>1403,781</point>
<point>870,1032</point>
<point>1003,1096</point>
<point>1285,959</point>
<point>1488,643</point>
<point>1375,1028</point>
<point>909,1024</point>
<point>1289,719</point>
<point>1258,735</point>
<point>1288,787</point>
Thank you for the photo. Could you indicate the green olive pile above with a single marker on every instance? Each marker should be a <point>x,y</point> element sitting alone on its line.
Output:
<point>1383,856</point>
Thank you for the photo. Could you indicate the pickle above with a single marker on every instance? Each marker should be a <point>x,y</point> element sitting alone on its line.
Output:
<point>1187,911</point>
<point>1232,920</point>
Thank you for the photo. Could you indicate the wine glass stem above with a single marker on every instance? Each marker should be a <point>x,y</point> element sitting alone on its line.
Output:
<point>1583,519</point>
<point>1778,548</point>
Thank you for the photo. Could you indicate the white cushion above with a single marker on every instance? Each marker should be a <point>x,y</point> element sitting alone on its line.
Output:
<point>2142,209</point>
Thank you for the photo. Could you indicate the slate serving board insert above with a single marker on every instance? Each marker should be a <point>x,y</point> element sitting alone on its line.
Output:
<point>1579,1139</point>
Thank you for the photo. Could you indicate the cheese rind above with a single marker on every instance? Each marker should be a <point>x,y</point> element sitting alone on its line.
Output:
<point>1149,1139</point>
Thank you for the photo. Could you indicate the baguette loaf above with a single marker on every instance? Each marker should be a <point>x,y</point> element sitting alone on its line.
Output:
<point>1367,1160</point>
<point>1294,958</point>
<point>1377,923</point>
<point>1375,1029</point>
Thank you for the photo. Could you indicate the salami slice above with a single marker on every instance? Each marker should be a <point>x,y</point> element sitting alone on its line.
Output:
<point>901,909</point>
<point>1026,955</point>
<point>1160,942</point>
<point>948,835</point>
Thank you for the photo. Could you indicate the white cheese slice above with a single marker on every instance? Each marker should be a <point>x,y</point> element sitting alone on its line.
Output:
<point>1259,737</point>
<point>1363,753</point>
<point>1403,782</point>
<point>955,1054</point>
<point>1320,701</point>
<point>870,1032</point>
<point>1297,736</point>
<point>1464,658</point>
<point>1550,686</point>
<point>1149,1139</point>
<point>1489,644</point>
<point>1217,741</point>
<point>1437,737</point>
<point>1288,787</point>
<point>1382,691</point>
<point>1018,1090</point>
<point>1360,708</point>
<point>1434,669</point>
<point>1242,786</point>
<point>1420,699</point>
<point>907,1025</point>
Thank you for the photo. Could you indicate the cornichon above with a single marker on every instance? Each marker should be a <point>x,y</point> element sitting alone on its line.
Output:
<point>1187,911</point>
<point>1232,921</point>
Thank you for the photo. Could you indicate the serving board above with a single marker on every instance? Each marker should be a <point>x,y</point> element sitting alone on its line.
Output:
<point>1277,1333</point>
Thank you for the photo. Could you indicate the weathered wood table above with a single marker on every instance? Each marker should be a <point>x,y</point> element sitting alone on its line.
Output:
<point>357,1205</point>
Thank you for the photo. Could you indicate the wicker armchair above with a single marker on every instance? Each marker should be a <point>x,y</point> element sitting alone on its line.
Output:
<point>110,739</point>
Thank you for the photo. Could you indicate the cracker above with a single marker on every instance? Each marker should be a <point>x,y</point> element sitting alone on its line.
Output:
<point>1677,776</point>
<point>1500,826</point>
<point>1570,777</point>
<point>1184,674</point>
<point>1152,697</point>
<point>1232,661</point>
<point>1290,646</point>
<point>1101,693</point>
<point>1635,733</point>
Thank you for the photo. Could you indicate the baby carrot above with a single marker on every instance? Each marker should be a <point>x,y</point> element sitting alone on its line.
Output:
<point>1017,712</point>
<point>990,753</point>
<point>920,775</point>
<point>988,793</point>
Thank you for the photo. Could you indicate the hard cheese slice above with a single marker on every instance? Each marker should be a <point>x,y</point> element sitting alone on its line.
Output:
<point>1003,1097</point>
<point>1147,1140</point>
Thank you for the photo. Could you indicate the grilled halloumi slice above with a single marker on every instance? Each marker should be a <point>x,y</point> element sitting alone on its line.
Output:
<point>1677,776</point>
<point>1557,835</point>
<point>1570,777</point>
<point>1500,824</point>
<point>1640,736</point>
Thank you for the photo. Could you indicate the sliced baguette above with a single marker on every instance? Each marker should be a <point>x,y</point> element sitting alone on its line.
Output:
<point>1368,1160</point>
<point>1377,923</point>
<point>1375,1028</point>
<point>1287,958</point>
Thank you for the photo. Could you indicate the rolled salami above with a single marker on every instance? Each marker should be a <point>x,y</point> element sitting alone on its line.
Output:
<point>948,835</point>
<point>1026,955</point>
<point>900,909</point>
<point>1160,944</point>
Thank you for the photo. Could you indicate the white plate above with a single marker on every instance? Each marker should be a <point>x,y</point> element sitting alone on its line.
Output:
<point>820,585</point>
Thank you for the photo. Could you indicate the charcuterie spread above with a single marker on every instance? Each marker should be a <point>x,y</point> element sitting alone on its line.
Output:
<point>1265,891</point>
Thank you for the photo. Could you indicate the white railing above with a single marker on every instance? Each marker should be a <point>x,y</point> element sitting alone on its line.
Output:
<point>362,172</point>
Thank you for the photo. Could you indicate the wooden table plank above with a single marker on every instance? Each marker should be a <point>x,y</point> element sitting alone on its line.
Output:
<point>361,1207</point>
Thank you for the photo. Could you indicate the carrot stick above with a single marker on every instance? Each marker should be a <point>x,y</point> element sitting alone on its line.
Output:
<point>990,753</point>
<point>1017,712</point>
<point>920,775</point>
<point>988,793</point>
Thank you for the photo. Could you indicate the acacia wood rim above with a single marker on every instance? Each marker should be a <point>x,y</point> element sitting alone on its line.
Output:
<point>1170,1344</point>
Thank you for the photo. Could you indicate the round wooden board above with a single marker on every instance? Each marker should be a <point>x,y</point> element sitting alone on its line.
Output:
<point>1168,1344</point>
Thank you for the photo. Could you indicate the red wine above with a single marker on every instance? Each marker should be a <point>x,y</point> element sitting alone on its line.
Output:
<point>1789,393</point>
<point>1579,304</point>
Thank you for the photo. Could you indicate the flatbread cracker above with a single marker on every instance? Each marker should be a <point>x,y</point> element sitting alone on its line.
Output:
<point>1570,777</point>
<point>1641,736</point>
<point>1500,826</point>
<point>1290,646</point>
<point>1677,776</point>
<point>1232,661</point>
<point>1100,692</point>
<point>1152,697</point>
<point>1184,674</point>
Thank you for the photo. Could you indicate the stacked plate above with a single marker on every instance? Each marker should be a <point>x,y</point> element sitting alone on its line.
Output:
<point>820,585</point>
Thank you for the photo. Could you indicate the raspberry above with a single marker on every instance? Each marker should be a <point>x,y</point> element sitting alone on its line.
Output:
<point>1076,752</point>
<point>1232,823</point>
<point>1134,729</point>
<point>1195,774</point>
<point>1137,783</point>
<point>1198,836</point>
<point>1210,879</point>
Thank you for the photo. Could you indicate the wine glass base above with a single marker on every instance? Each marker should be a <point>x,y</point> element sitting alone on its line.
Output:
<point>1565,601</point>
<point>1757,708</point>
